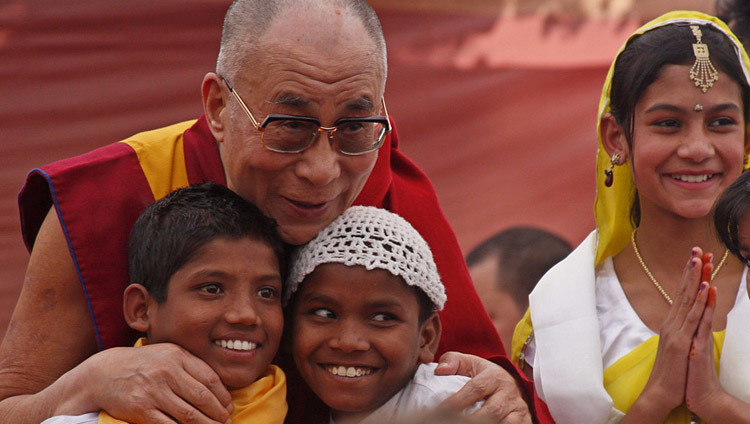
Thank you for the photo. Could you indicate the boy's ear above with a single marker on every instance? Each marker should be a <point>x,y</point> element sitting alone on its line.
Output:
<point>135,304</point>
<point>613,138</point>
<point>429,338</point>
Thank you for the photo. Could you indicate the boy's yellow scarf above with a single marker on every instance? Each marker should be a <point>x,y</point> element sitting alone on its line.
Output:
<point>264,401</point>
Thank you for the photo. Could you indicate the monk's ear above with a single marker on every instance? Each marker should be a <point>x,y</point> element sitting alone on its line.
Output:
<point>214,103</point>
<point>613,138</point>
<point>135,307</point>
<point>429,338</point>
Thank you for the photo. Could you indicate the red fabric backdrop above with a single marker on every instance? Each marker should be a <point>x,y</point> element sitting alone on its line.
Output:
<point>500,113</point>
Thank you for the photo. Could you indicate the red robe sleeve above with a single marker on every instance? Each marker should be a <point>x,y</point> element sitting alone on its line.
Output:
<point>398,185</point>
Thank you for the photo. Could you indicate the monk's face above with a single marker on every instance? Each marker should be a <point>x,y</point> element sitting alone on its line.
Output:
<point>314,64</point>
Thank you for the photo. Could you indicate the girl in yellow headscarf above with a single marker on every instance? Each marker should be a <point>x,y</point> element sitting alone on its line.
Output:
<point>610,329</point>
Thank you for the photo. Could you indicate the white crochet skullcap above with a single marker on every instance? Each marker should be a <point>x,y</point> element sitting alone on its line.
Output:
<point>373,238</point>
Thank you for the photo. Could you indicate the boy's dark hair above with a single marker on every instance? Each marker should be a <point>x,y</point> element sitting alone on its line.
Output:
<point>426,306</point>
<point>640,64</point>
<point>171,230</point>
<point>732,207</point>
<point>522,255</point>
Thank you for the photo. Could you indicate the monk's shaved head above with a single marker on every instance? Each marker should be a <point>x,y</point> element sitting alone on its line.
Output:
<point>247,21</point>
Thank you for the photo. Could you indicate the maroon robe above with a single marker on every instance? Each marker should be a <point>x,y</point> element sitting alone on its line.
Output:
<point>99,195</point>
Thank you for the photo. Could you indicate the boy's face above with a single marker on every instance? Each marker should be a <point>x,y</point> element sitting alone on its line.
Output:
<point>500,305</point>
<point>229,292</point>
<point>356,337</point>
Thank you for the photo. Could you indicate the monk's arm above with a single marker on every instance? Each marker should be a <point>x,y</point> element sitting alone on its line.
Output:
<point>48,364</point>
<point>50,332</point>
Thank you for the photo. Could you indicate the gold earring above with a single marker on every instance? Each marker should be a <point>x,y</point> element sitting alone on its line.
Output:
<point>609,177</point>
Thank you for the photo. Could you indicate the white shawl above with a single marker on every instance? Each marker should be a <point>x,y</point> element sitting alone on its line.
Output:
<point>568,370</point>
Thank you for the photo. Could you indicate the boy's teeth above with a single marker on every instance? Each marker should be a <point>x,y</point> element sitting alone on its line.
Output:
<point>236,344</point>
<point>692,178</point>
<point>343,371</point>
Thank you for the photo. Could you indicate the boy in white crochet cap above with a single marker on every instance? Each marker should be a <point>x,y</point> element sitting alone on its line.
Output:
<point>363,318</point>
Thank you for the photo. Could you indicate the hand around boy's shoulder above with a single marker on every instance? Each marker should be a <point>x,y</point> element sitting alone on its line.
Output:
<point>425,391</point>
<point>436,388</point>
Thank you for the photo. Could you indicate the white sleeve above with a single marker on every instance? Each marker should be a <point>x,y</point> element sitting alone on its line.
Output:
<point>90,418</point>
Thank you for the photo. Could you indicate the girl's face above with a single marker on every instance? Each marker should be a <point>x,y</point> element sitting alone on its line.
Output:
<point>687,145</point>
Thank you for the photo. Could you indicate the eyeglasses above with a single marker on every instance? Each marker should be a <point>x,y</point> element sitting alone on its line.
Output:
<point>293,134</point>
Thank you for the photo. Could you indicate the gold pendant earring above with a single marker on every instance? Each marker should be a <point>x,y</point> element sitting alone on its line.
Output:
<point>609,177</point>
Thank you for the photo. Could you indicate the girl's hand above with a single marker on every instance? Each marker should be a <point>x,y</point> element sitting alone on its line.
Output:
<point>665,389</point>
<point>704,395</point>
<point>702,380</point>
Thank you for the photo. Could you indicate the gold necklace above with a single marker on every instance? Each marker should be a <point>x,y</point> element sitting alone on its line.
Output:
<point>653,279</point>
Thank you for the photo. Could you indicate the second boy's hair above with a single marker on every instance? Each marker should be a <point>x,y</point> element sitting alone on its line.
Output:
<point>522,255</point>
<point>732,207</point>
<point>171,230</point>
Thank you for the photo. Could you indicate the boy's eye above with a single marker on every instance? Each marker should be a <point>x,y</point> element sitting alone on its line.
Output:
<point>383,317</point>
<point>211,288</point>
<point>324,313</point>
<point>268,292</point>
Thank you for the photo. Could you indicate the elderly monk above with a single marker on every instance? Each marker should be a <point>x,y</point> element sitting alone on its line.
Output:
<point>295,121</point>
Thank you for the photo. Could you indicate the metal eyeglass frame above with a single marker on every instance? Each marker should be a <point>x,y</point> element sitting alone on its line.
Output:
<point>278,117</point>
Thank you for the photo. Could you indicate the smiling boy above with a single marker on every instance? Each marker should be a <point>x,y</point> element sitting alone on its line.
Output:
<point>364,322</point>
<point>206,272</point>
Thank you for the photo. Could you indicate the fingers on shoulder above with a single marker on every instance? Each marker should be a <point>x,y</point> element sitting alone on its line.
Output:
<point>506,412</point>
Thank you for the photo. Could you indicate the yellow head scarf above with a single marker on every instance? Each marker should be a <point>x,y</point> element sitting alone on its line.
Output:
<point>612,204</point>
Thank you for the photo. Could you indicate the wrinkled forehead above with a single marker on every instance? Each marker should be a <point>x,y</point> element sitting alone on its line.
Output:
<point>323,26</point>
<point>321,31</point>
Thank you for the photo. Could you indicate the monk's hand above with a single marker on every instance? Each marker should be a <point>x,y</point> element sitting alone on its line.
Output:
<point>158,384</point>
<point>503,399</point>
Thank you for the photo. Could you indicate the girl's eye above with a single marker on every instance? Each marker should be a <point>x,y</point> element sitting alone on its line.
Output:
<point>211,288</point>
<point>324,313</point>
<point>722,122</point>
<point>667,123</point>
<point>268,293</point>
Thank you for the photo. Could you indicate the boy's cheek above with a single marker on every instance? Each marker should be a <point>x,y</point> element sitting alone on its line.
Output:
<point>274,324</point>
<point>302,339</point>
